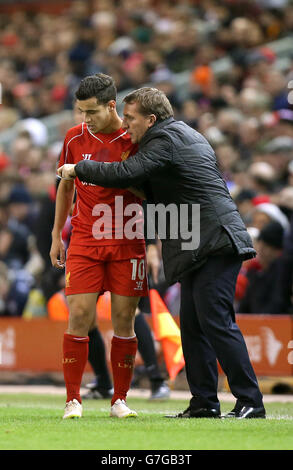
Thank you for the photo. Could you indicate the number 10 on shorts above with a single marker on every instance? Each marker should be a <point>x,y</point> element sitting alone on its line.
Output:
<point>138,269</point>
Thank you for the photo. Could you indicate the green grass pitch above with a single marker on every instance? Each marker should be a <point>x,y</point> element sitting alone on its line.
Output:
<point>34,422</point>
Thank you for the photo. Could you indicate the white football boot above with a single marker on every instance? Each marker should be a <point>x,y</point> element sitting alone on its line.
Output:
<point>73,409</point>
<point>121,410</point>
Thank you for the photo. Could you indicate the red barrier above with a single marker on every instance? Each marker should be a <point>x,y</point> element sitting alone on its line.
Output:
<point>269,342</point>
<point>36,345</point>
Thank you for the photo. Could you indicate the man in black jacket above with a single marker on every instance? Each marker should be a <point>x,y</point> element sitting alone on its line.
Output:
<point>177,169</point>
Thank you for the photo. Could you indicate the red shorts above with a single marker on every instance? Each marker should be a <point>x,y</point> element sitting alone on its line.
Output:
<point>119,269</point>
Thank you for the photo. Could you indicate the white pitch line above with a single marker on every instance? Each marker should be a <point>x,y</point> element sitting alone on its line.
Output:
<point>135,393</point>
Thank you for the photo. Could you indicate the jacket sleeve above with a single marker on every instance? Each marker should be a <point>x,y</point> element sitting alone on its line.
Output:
<point>154,156</point>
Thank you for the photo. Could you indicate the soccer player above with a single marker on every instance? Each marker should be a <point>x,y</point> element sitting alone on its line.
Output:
<point>177,167</point>
<point>104,254</point>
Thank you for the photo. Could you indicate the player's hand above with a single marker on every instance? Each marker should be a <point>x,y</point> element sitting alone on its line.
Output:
<point>57,253</point>
<point>153,262</point>
<point>67,172</point>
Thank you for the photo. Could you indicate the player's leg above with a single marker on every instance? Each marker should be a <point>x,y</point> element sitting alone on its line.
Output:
<point>75,346</point>
<point>123,350</point>
<point>84,278</point>
<point>126,280</point>
<point>82,311</point>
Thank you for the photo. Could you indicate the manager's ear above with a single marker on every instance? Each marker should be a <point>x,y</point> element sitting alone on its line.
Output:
<point>152,119</point>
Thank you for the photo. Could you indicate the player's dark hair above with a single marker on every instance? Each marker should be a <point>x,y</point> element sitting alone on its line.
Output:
<point>100,86</point>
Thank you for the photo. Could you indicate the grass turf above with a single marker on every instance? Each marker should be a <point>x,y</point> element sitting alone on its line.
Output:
<point>34,422</point>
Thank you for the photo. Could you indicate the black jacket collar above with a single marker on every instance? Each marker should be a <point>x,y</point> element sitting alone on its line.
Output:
<point>157,126</point>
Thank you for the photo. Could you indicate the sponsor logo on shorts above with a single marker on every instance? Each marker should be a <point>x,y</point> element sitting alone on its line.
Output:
<point>139,285</point>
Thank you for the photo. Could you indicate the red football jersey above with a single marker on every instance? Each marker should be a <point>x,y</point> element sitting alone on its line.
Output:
<point>99,213</point>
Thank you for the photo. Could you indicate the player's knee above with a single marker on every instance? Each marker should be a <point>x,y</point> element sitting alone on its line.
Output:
<point>124,317</point>
<point>79,314</point>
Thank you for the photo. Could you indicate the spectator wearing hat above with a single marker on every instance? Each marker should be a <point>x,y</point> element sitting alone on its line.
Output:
<point>262,293</point>
<point>267,212</point>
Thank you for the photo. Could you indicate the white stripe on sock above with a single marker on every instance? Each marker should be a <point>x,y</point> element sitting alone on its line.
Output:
<point>125,337</point>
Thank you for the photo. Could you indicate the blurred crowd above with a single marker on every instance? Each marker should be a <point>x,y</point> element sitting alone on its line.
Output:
<point>245,111</point>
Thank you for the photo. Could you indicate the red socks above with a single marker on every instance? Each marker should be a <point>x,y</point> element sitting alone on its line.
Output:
<point>75,356</point>
<point>123,353</point>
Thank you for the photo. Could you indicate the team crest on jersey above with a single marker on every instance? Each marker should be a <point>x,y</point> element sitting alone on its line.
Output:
<point>86,156</point>
<point>125,155</point>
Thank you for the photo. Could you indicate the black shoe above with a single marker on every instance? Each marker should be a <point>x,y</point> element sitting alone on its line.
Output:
<point>233,413</point>
<point>98,393</point>
<point>246,412</point>
<point>197,413</point>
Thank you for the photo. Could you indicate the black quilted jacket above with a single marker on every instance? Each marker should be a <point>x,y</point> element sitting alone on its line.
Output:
<point>176,165</point>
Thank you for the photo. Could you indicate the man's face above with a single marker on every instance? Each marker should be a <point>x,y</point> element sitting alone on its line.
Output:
<point>136,123</point>
<point>96,116</point>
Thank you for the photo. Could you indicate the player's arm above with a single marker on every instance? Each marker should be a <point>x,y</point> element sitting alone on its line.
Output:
<point>67,172</point>
<point>64,200</point>
<point>131,172</point>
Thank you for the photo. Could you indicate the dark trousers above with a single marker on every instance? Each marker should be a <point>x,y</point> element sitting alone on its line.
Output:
<point>209,332</point>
